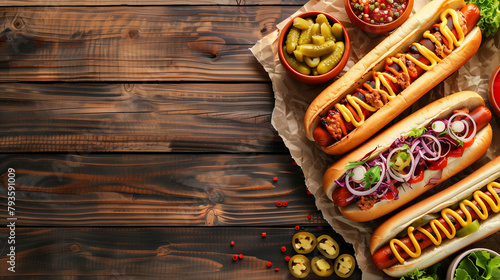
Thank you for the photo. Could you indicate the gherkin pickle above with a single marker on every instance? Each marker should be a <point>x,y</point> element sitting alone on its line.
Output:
<point>313,50</point>
<point>331,60</point>
<point>304,242</point>
<point>305,34</point>
<point>301,67</point>
<point>338,32</point>
<point>312,45</point>
<point>299,266</point>
<point>322,266</point>
<point>292,39</point>
<point>328,247</point>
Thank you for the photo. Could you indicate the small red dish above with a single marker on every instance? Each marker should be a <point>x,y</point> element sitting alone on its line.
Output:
<point>371,13</point>
<point>314,79</point>
<point>494,91</point>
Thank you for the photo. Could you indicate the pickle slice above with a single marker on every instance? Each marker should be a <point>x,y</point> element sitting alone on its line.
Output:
<point>470,228</point>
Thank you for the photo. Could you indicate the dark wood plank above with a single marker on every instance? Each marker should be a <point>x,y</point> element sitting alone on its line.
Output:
<point>156,189</point>
<point>126,43</point>
<point>137,117</point>
<point>155,253</point>
<point>51,4</point>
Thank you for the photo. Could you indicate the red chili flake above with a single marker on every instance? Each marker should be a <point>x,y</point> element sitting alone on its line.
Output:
<point>232,243</point>
<point>297,227</point>
<point>309,217</point>
<point>276,269</point>
<point>235,257</point>
<point>285,204</point>
<point>275,179</point>
<point>264,234</point>
<point>294,163</point>
<point>269,264</point>
<point>241,256</point>
<point>287,258</point>
<point>320,228</point>
<point>279,204</point>
<point>283,249</point>
<point>308,192</point>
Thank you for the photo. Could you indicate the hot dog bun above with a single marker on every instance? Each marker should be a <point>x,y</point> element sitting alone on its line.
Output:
<point>434,204</point>
<point>411,31</point>
<point>438,109</point>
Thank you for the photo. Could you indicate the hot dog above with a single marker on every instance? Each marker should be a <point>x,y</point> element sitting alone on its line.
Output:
<point>456,217</point>
<point>428,47</point>
<point>409,158</point>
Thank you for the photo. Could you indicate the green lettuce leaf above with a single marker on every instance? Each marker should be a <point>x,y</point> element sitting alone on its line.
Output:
<point>490,16</point>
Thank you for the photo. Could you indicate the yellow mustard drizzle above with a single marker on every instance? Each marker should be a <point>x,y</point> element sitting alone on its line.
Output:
<point>379,76</point>
<point>436,238</point>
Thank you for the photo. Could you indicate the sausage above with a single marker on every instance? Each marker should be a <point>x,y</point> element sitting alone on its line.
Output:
<point>384,258</point>
<point>481,116</point>
<point>471,14</point>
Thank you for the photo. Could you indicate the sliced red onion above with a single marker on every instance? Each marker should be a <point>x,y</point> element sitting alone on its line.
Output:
<point>462,138</point>
<point>358,173</point>
<point>435,155</point>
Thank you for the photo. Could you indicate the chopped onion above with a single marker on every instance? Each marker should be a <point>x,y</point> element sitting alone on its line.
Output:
<point>463,138</point>
<point>438,126</point>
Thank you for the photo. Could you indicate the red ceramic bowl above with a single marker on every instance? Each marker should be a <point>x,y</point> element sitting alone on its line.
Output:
<point>310,79</point>
<point>377,28</point>
<point>494,91</point>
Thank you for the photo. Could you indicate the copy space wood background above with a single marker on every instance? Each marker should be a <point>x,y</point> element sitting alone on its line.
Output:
<point>140,136</point>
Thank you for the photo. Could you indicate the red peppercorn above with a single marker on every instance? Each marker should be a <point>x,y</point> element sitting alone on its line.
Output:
<point>320,228</point>
<point>269,264</point>
<point>279,204</point>
<point>287,258</point>
<point>283,249</point>
<point>232,243</point>
<point>241,256</point>
<point>235,257</point>
<point>308,192</point>
<point>264,234</point>
<point>276,269</point>
<point>297,227</point>
<point>285,204</point>
<point>309,217</point>
<point>275,179</point>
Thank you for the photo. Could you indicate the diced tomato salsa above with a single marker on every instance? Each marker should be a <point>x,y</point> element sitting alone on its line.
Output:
<point>379,11</point>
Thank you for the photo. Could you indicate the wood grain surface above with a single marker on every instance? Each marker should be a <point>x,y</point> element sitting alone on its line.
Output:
<point>52,3</point>
<point>127,43</point>
<point>157,253</point>
<point>157,189</point>
<point>165,117</point>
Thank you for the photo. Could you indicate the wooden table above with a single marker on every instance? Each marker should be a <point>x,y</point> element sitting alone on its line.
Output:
<point>137,140</point>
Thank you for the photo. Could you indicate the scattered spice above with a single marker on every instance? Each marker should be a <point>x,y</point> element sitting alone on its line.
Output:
<point>285,204</point>
<point>309,217</point>
<point>241,256</point>
<point>275,179</point>
<point>279,204</point>
<point>283,249</point>
<point>269,264</point>
<point>235,257</point>
<point>232,243</point>
<point>264,234</point>
<point>297,227</point>
<point>287,258</point>
<point>320,228</point>
<point>276,269</point>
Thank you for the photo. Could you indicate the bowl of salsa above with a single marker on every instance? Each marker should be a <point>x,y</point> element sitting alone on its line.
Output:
<point>494,91</point>
<point>378,16</point>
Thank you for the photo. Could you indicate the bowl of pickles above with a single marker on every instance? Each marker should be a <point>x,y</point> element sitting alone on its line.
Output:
<point>314,47</point>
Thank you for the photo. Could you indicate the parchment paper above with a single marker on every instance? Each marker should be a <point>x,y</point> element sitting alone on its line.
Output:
<point>292,99</point>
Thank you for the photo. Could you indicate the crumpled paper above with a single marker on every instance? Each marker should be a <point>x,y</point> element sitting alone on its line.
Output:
<point>292,99</point>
